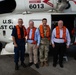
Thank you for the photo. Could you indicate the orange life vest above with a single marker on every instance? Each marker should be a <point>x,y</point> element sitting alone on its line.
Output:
<point>42,31</point>
<point>58,33</point>
<point>19,33</point>
<point>33,34</point>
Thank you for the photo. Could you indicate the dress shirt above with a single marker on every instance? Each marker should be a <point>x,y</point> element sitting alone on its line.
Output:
<point>37,36</point>
<point>54,39</point>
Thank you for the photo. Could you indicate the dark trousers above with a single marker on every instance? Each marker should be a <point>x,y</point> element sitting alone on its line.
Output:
<point>19,52</point>
<point>58,52</point>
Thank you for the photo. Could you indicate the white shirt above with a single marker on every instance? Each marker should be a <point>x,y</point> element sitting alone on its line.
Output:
<point>30,34</point>
<point>54,39</point>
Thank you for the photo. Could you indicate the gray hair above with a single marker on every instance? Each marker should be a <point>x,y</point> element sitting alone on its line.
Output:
<point>20,19</point>
<point>31,21</point>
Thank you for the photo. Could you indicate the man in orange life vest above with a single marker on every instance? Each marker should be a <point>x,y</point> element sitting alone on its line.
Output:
<point>44,43</point>
<point>33,41</point>
<point>73,40</point>
<point>60,41</point>
<point>18,36</point>
<point>73,35</point>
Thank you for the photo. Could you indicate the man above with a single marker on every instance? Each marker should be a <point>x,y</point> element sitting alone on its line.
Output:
<point>73,32</point>
<point>60,41</point>
<point>18,36</point>
<point>33,40</point>
<point>73,35</point>
<point>44,43</point>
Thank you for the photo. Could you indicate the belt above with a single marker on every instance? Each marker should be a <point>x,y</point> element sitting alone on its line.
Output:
<point>59,38</point>
<point>20,38</point>
<point>29,39</point>
<point>60,43</point>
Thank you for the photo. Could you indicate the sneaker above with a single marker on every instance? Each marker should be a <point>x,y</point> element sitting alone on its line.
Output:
<point>37,66</point>
<point>23,65</point>
<point>30,64</point>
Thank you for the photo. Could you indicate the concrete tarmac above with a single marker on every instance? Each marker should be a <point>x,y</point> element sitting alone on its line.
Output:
<point>7,67</point>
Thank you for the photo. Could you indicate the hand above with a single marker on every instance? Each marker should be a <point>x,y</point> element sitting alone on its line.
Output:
<point>53,45</point>
<point>25,40</point>
<point>67,46</point>
<point>37,46</point>
<point>15,45</point>
<point>42,42</point>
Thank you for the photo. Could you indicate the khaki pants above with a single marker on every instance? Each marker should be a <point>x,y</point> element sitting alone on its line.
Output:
<point>43,52</point>
<point>33,53</point>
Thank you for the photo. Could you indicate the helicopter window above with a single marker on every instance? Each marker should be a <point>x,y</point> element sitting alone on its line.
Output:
<point>4,32</point>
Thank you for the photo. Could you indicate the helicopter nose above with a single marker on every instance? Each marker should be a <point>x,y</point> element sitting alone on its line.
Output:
<point>7,6</point>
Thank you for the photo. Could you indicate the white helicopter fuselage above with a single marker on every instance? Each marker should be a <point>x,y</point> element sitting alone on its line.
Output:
<point>39,10</point>
<point>8,22</point>
<point>19,6</point>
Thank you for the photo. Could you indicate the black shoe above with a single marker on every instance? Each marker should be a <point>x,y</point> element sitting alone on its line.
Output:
<point>30,64</point>
<point>74,58</point>
<point>37,66</point>
<point>54,65</point>
<point>61,65</point>
<point>23,65</point>
<point>16,67</point>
